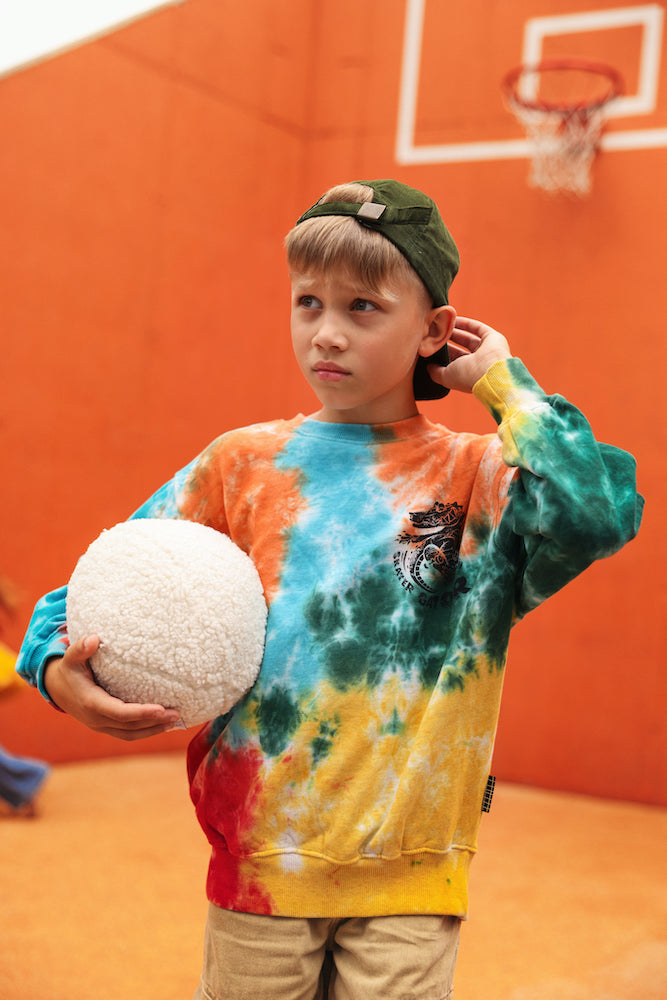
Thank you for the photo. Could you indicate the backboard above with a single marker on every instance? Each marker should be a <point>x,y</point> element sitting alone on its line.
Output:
<point>455,56</point>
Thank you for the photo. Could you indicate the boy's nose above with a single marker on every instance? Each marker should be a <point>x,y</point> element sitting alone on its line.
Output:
<point>329,334</point>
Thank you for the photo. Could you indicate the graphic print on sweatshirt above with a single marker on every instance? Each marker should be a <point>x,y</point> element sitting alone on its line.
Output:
<point>428,554</point>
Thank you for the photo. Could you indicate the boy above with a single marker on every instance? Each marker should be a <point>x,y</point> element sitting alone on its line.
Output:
<point>342,796</point>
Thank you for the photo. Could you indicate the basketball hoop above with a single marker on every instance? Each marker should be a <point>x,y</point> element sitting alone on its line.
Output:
<point>562,105</point>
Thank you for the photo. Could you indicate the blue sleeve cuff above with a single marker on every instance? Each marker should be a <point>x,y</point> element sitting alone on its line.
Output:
<point>45,638</point>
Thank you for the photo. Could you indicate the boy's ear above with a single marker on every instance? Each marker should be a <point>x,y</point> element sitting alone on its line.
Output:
<point>440,328</point>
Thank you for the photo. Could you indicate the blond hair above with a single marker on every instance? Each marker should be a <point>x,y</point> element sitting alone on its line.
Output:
<point>331,243</point>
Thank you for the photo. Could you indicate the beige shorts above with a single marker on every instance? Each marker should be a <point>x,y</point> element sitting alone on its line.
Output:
<point>251,957</point>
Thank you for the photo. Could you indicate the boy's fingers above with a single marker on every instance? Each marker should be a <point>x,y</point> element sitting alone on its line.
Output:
<point>72,686</point>
<point>139,734</point>
<point>83,649</point>
<point>161,721</point>
<point>471,325</point>
<point>104,711</point>
<point>128,714</point>
<point>136,734</point>
<point>461,339</point>
<point>136,716</point>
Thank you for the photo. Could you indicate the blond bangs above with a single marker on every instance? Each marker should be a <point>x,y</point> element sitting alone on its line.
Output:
<point>333,243</point>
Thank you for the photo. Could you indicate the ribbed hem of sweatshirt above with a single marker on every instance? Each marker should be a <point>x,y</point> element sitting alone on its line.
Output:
<point>297,885</point>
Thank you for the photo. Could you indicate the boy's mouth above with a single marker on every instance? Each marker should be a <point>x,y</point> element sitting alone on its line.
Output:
<point>329,372</point>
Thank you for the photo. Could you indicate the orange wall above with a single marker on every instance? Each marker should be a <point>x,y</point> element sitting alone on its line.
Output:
<point>146,183</point>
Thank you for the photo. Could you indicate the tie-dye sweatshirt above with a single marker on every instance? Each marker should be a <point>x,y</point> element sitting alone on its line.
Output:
<point>395,559</point>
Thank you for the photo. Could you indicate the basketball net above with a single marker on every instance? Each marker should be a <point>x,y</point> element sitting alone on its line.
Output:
<point>564,133</point>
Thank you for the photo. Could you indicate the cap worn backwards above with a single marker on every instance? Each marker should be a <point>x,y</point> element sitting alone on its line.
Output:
<point>411,221</point>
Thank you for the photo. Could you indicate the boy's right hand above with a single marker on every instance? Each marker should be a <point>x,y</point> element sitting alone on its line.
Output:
<point>71,685</point>
<point>473,348</point>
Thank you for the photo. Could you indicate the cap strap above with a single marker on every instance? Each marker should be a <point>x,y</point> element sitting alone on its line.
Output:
<point>371,213</point>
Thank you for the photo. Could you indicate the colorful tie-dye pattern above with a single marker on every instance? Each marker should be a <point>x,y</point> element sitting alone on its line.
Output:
<point>395,560</point>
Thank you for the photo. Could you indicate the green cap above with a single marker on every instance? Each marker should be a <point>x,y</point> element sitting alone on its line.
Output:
<point>411,221</point>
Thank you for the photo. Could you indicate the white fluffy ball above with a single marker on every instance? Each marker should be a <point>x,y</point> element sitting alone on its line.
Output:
<point>180,613</point>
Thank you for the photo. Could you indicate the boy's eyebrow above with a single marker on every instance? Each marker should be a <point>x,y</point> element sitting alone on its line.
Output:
<point>357,285</point>
<point>302,279</point>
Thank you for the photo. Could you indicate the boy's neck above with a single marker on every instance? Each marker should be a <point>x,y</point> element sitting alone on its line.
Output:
<point>330,416</point>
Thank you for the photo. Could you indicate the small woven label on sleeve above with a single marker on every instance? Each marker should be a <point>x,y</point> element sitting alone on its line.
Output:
<point>488,793</point>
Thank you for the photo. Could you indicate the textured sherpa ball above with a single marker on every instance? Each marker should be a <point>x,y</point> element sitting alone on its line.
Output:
<point>180,613</point>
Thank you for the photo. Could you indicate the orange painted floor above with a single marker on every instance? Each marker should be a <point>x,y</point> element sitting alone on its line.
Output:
<point>101,896</point>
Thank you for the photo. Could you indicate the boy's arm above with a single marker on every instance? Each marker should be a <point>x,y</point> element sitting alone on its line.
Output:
<point>574,500</point>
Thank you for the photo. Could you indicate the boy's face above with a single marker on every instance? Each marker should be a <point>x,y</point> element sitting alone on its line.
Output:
<point>357,349</point>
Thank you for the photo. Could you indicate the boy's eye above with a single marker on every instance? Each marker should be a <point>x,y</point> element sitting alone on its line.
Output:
<point>309,302</point>
<point>362,305</point>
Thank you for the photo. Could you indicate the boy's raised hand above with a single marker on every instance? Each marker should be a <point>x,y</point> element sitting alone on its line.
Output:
<point>72,687</point>
<point>473,348</point>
